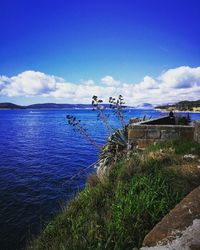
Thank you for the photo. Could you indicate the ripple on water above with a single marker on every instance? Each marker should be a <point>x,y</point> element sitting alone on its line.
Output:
<point>38,156</point>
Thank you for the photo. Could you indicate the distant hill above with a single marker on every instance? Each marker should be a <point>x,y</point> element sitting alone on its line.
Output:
<point>57,106</point>
<point>182,106</point>
<point>8,105</point>
<point>145,106</point>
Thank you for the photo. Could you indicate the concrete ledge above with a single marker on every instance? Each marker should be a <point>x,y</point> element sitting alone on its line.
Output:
<point>177,220</point>
<point>159,126</point>
<point>160,121</point>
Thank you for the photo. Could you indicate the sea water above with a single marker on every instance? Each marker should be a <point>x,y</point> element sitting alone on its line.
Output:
<point>39,154</point>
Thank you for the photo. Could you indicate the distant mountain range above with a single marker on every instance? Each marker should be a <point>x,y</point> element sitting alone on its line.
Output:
<point>8,105</point>
<point>181,106</point>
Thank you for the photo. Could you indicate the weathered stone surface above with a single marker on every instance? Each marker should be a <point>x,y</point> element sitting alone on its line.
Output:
<point>188,134</point>
<point>197,126</point>
<point>144,143</point>
<point>136,133</point>
<point>188,240</point>
<point>197,131</point>
<point>169,134</point>
<point>177,220</point>
<point>163,127</point>
<point>153,134</point>
<point>137,126</point>
<point>197,138</point>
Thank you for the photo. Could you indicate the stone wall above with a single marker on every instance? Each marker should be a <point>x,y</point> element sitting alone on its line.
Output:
<point>141,135</point>
<point>197,131</point>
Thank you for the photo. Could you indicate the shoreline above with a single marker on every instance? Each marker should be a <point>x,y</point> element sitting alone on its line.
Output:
<point>176,111</point>
<point>161,110</point>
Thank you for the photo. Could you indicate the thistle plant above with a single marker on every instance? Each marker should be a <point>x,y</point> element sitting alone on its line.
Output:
<point>78,127</point>
<point>117,139</point>
<point>117,106</point>
<point>97,105</point>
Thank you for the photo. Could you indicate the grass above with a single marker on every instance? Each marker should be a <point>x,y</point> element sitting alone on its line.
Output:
<point>118,213</point>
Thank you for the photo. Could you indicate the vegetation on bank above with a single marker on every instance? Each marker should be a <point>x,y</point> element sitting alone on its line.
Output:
<point>182,106</point>
<point>119,212</point>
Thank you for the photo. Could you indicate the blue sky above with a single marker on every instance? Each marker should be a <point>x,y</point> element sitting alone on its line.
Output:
<point>81,40</point>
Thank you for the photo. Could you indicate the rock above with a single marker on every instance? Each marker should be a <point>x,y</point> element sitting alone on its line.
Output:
<point>189,156</point>
<point>189,240</point>
<point>179,218</point>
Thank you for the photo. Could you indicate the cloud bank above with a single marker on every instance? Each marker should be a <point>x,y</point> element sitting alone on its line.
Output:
<point>182,83</point>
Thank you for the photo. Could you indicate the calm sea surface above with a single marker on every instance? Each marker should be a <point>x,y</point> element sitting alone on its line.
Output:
<point>39,154</point>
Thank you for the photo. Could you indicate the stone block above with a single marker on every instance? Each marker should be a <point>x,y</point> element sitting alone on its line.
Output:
<point>144,143</point>
<point>197,131</point>
<point>136,133</point>
<point>197,137</point>
<point>197,126</point>
<point>169,134</point>
<point>153,134</point>
<point>187,134</point>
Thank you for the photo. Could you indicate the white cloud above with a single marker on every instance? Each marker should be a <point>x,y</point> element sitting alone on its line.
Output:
<point>3,82</point>
<point>110,81</point>
<point>88,82</point>
<point>147,83</point>
<point>171,86</point>
<point>29,83</point>
<point>182,77</point>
